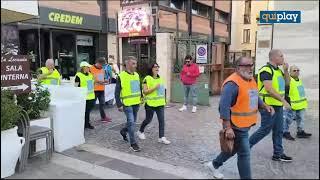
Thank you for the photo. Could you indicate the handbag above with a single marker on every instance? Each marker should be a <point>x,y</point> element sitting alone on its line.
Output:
<point>226,144</point>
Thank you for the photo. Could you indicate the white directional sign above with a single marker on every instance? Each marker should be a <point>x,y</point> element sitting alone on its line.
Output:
<point>13,88</point>
<point>15,73</point>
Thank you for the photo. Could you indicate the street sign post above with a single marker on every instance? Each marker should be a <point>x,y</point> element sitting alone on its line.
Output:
<point>202,54</point>
<point>15,73</point>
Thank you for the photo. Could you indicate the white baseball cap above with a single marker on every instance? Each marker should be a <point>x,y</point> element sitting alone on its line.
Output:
<point>85,64</point>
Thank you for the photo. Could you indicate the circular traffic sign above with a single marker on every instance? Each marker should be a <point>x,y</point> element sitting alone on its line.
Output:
<point>202,51</point>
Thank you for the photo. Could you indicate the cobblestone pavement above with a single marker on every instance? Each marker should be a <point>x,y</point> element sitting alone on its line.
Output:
<point>194,141</point>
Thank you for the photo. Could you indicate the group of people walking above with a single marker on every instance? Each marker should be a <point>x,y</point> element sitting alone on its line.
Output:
<point>278,95</point>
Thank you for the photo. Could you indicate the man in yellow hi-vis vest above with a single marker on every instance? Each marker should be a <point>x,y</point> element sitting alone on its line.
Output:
<point>128,98</point>
<point>295,95</point>
<point>48,75</point>
<point>271,86</point>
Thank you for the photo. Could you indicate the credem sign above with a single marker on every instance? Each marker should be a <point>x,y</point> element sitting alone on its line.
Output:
<point>57,17</point>
<point>65,18</point>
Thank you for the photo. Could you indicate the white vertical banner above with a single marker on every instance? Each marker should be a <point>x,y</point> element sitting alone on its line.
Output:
<point>264,45</point>
<point>202,54</point>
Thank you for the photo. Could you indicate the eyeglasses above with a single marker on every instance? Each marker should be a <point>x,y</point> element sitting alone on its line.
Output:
<point>246,65</point>
<point>296,70</point>
<point>156,66</point>
<point>187,61</point>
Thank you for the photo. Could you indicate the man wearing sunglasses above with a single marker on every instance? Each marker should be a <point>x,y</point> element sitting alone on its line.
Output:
<point>238,110</point>
<point>271,85</point>
<point>189,74</point>
<point>295,95</point>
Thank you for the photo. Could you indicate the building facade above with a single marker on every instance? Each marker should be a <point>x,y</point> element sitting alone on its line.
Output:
<point>300,42</point>
<point>163,35</point>
<point>244,27</point>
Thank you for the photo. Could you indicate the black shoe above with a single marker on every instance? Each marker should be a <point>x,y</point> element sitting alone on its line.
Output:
<point>282,158</point>
<point>89,126</point>
<point>124,135</point>
<point>135,147</point>
<point>288,136</point>
<point>302,134</point>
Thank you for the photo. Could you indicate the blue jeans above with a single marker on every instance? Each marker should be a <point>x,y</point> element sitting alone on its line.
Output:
<point>190,89</point>
<point>242,148</point>
<point>131,114</point>
<point>149,114</point>
<point>291,115</point>
<point>268,123</point>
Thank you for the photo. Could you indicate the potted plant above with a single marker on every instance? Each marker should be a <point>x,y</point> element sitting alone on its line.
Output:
<point>11,143</point>
<point>36,104</point>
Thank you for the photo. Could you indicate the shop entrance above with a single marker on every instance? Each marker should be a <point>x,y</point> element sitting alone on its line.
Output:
<point>64,52</point>
<point>144,49</point>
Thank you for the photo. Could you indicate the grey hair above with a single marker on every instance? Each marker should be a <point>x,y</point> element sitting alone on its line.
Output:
<point>129,58</point>
<point>49,61</point>
<point>238,61</point>
<point>273,52</point>
<point>293,66</point>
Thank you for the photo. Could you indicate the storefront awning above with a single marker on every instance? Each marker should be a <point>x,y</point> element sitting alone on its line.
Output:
<point>15,11</point>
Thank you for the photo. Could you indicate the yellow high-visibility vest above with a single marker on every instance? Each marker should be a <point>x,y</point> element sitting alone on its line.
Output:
<point>130,88</point>
<point>52,79</point>
<point>297,95</point>
<point>157,97</point>
<point>87,81</point>
<point>278,85</point>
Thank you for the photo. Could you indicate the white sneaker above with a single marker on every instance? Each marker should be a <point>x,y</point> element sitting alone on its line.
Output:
<point>141,135</point>
<point>194,109</point>
<point>184,107</point>
<point>216,173</point>
<point>163,140</point>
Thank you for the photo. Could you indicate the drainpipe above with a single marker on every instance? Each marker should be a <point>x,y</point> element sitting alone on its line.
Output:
<point>103,36</point>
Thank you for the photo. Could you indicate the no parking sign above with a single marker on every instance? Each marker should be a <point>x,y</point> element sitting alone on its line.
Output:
<point>202,54</point>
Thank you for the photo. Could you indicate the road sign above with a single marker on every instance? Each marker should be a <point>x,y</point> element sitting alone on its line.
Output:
<point>202,54</point>
<point>15,73</point>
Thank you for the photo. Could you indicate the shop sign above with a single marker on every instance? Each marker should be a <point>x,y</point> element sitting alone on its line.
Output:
<point>63,18</point>
<point>84,40</point>
<point>15,73</point>
<point>139,40</point>
<point>202,54</point>
<point>135,21</point>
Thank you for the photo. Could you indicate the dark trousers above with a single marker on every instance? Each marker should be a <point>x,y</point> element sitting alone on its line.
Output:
<point>89,107</point>
<point>149,115</point>
<point>100,96</point>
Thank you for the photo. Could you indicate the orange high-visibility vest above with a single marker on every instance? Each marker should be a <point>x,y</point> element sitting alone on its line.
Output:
<point>98,74</point>
<point>244,112</point>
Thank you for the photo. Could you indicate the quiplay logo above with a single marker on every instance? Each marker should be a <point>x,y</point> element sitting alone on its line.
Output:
<point>280,16</point>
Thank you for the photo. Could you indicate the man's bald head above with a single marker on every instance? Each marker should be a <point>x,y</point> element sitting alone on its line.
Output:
<point>276,56</point>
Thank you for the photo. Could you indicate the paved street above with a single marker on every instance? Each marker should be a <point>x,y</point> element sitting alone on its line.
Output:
<point>194,140</point>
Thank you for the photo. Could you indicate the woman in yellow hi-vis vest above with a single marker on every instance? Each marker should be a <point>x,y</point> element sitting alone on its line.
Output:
<point>296,96</point>
<point>85,79</point>
<point>154,94</point>
<point>49,75</point>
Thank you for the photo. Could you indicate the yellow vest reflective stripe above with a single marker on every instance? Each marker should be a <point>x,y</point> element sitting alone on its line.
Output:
<point>297,95</point>
<point>52,79</point>
<point>278,85</point>
<point>87,82</point>
<point>157,97</point>
<point>130,88</point>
